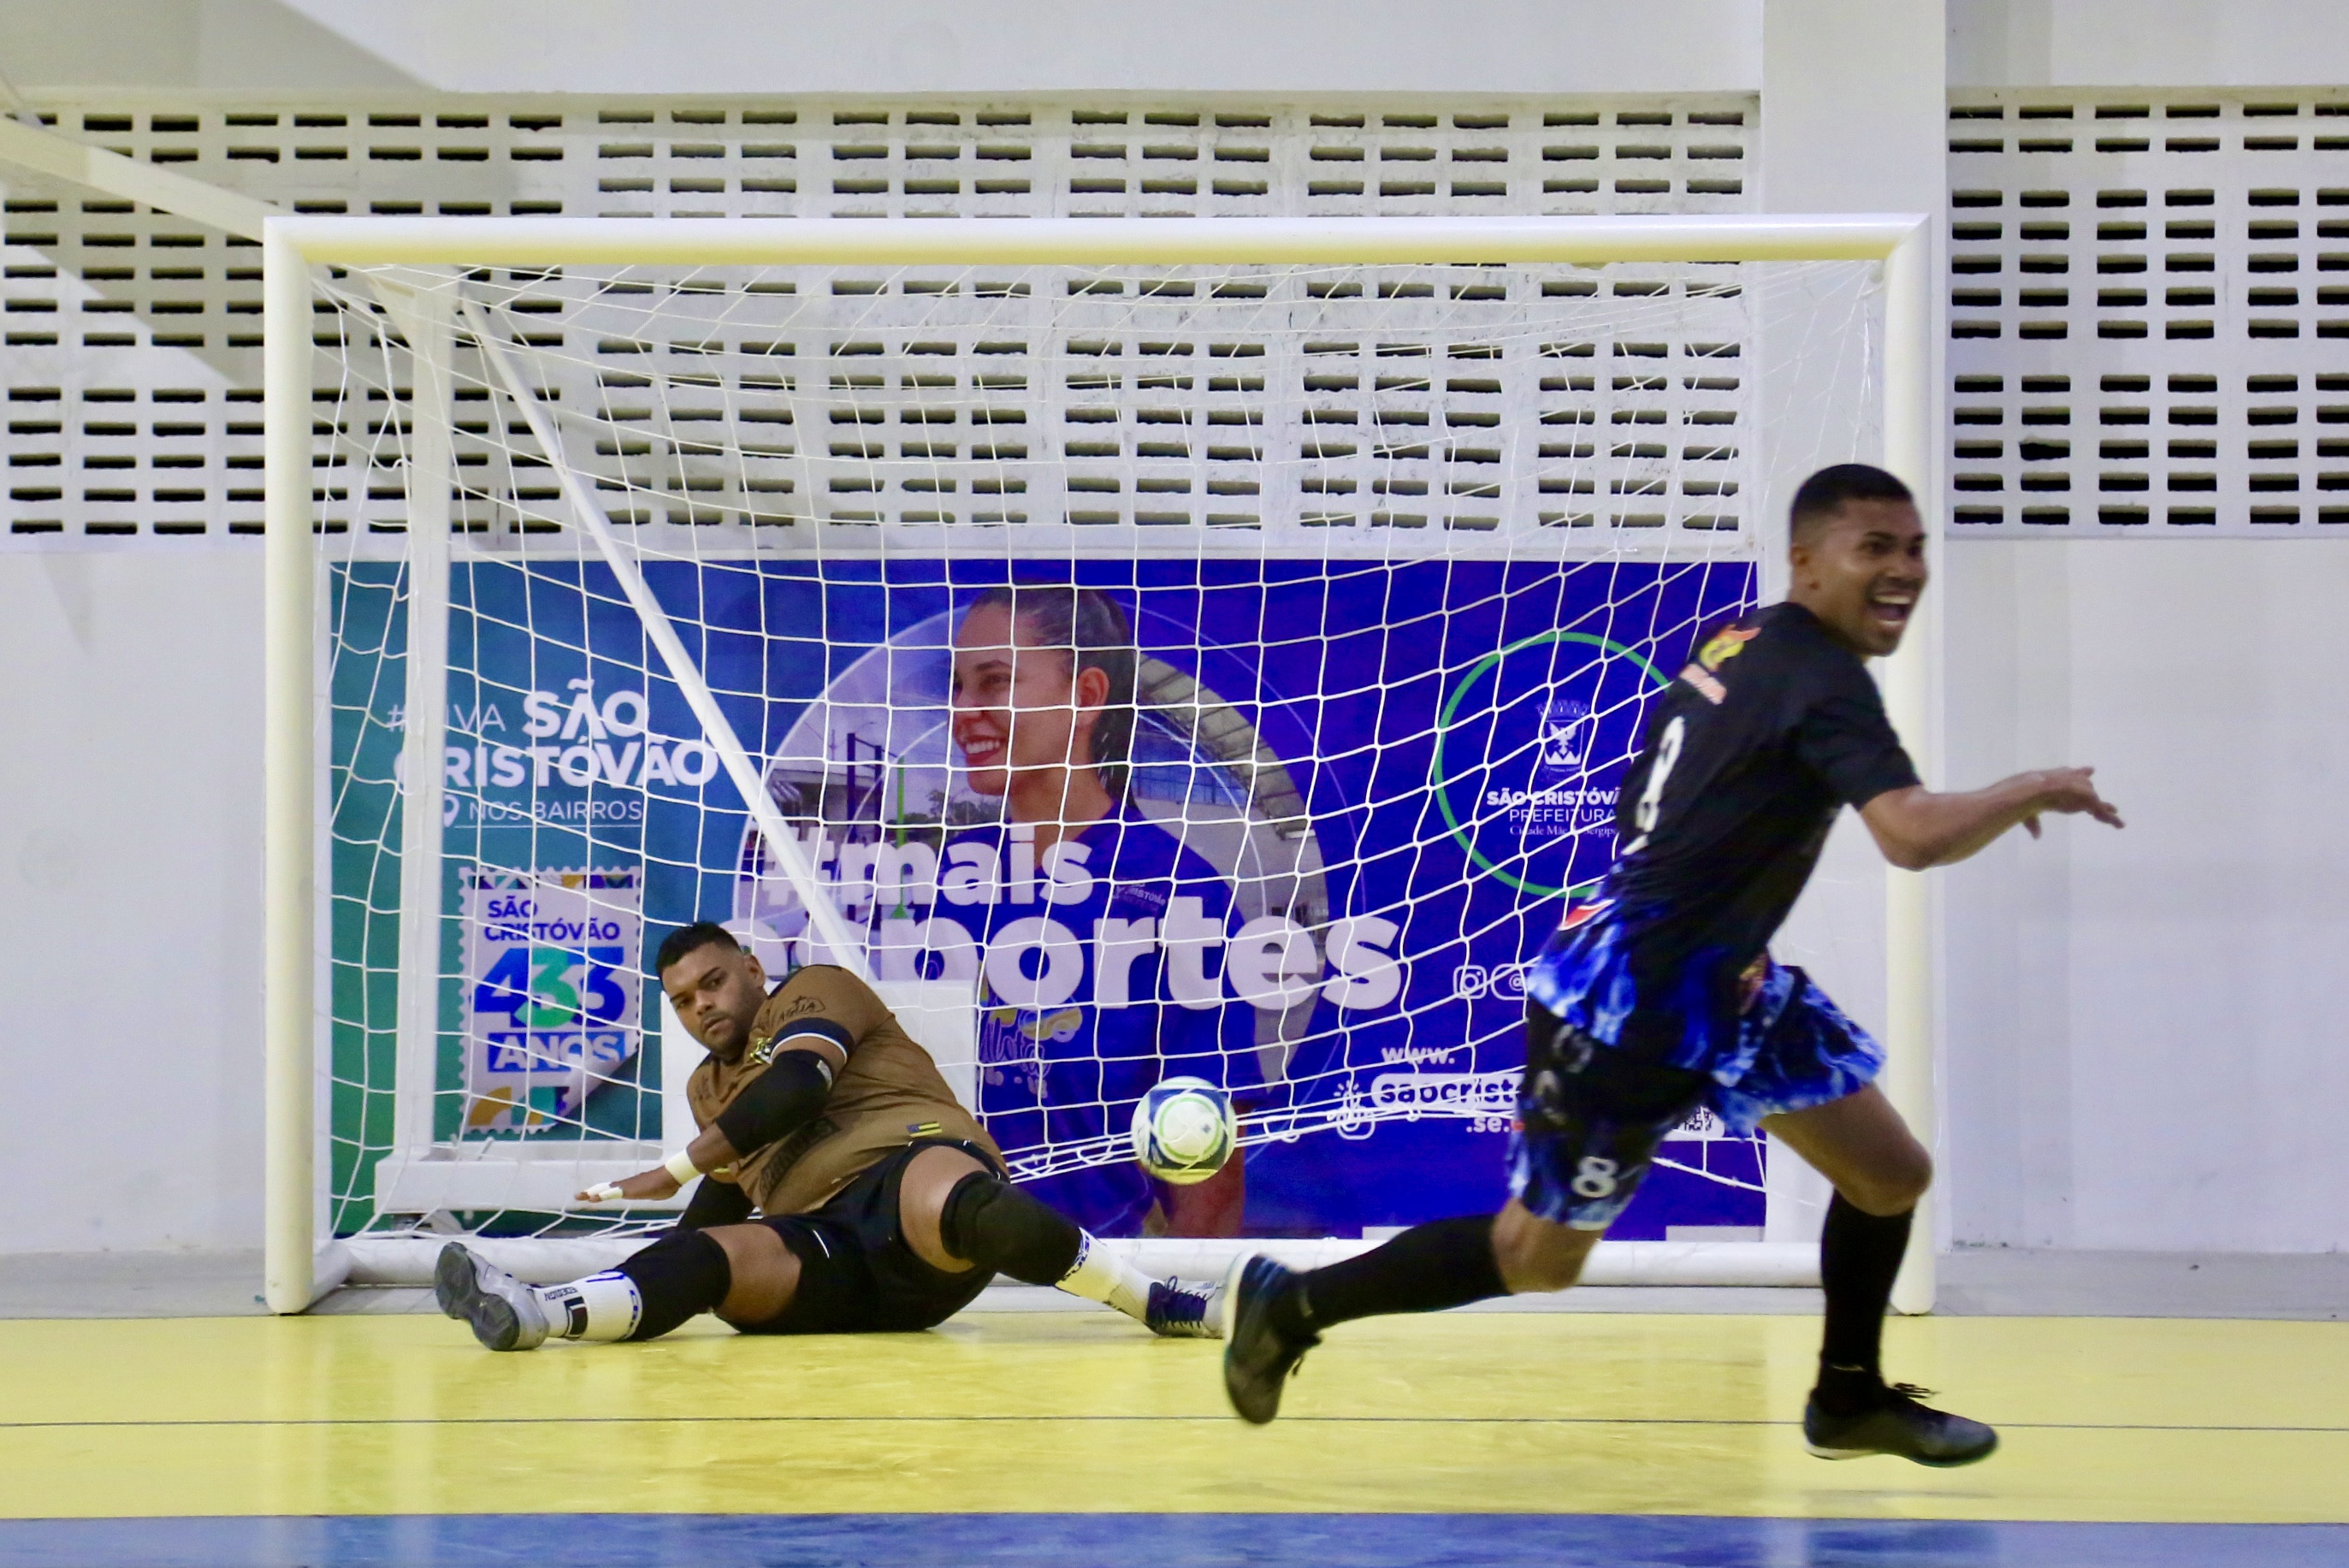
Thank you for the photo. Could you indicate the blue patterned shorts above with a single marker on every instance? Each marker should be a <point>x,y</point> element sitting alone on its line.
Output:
<point>1589,1115</point>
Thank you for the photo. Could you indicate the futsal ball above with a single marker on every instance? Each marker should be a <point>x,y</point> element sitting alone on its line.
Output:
<point>1184,1130</point>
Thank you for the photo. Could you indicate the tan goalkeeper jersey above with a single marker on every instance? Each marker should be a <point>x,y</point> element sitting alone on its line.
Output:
<point>887,1095</point>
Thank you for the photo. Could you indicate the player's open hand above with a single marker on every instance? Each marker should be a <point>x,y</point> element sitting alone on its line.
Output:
<point>654,1185</point>
<point>2072,792</point>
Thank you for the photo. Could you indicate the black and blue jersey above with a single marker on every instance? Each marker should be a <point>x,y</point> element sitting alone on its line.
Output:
<point>1772,728</point>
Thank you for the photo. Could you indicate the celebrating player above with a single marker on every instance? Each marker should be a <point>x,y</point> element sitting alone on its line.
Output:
<point>1662,997</point>
<point>882,1205</point>
<point>1119,919</point>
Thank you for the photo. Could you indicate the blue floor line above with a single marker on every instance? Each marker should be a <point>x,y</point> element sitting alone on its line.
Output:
<point>1151,1540</point>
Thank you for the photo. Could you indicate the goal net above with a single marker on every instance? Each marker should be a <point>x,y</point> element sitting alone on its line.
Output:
<point>1134,667</point>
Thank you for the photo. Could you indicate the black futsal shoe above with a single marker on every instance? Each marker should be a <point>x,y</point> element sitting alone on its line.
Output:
<point>504,1312</point>
<point>1899,1426</point>
<point>1258,1354</point>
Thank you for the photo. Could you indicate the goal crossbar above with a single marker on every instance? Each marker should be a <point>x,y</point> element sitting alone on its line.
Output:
<point>1106,241</point>
<point>293,245</point>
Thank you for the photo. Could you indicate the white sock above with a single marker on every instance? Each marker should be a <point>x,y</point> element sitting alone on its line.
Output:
<point>604,1306</point>
<point>1099,1275</point>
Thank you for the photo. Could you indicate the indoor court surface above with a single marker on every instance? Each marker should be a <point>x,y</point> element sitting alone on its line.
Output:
<point>1040,1436</point>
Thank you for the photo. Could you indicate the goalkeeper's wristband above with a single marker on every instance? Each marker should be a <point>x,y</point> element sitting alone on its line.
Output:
<point>680,1165</point>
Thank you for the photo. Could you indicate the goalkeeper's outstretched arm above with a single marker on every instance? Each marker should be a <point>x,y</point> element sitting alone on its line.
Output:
<point>772,1105</point>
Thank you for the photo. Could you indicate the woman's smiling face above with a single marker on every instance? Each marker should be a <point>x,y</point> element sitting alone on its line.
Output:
<point>1019,707</point>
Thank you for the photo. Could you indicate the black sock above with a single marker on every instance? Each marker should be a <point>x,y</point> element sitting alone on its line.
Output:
<point>683,1273</point>
<point>997,1227</point>
<point>1859,1253</point>
<point>1446,1263</point>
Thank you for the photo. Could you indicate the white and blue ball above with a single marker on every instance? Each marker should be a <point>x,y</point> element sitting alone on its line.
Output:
<point>1183,1131</point>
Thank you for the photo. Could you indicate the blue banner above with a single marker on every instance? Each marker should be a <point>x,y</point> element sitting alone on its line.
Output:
<point>1346,804</point>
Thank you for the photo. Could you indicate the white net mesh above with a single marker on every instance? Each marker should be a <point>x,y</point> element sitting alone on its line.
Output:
<point>1160,670</point>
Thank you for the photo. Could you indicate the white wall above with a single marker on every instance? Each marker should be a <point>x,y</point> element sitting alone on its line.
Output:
<point>129,899</point>
<point>749,46</point>
<point>2138,43</point>
<point>2143,1047</point>
<point>2148,1045</point>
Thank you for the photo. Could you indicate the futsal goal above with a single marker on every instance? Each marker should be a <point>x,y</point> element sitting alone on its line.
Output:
<point>622,574</point>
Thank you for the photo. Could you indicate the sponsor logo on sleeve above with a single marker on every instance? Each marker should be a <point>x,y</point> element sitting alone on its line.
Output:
<point>1712,690</point>
<point>1719,649</point>
<point>1725,645</point>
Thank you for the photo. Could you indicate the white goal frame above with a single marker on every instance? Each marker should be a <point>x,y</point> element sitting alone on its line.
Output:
<point>296,1069</point>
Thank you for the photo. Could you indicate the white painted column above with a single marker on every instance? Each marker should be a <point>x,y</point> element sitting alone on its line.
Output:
<point>1854,110</point>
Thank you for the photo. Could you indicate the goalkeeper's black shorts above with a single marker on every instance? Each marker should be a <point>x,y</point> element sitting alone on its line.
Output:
<point>857,1275</point>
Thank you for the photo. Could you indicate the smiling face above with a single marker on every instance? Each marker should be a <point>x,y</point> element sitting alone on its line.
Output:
<point>1861,570</point>
<point>717,991</point>
<point>1022,713</point>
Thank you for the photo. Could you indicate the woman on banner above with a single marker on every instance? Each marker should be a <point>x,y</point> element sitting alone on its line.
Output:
<point>1101,934</point>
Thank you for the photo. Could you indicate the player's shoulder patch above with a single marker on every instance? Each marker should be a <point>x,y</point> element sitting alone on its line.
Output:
<point>1719,646</point>
<point>776,1015</point>
<point>780,1009</point>
<point>1726,643</point>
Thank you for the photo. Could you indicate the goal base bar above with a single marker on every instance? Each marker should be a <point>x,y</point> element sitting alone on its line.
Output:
<point>429,1184</point>
<point>407,1259</point>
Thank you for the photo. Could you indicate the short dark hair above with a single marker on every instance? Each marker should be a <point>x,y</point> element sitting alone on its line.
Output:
<point>1825,492</point>
<point>1087,625</point>
<point>687,939</point>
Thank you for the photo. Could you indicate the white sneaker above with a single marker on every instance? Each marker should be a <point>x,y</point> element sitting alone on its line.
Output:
<point>506,1314</point>
<point>1186,1309</point>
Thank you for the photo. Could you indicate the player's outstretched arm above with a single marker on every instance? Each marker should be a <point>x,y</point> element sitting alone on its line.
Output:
<point>773,1105</point>
<point>1917,828</point>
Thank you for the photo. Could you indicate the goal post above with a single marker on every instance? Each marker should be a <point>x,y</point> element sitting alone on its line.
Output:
<point>414,294</point>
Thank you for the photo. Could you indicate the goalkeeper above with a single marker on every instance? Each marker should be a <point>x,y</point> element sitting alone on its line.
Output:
<point>842,1188</point>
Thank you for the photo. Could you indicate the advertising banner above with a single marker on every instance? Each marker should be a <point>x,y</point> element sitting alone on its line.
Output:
<point>1347,802</point>
<point>551,988</point>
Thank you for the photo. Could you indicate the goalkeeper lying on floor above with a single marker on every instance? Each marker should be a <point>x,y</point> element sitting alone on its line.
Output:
<point>879,1202</point>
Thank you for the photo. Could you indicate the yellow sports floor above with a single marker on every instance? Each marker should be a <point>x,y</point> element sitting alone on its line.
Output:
<point>2102,1419</point>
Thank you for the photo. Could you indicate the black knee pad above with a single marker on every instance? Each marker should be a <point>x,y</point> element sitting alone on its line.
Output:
<point>682,1275</point>
<point>997,1227</point>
